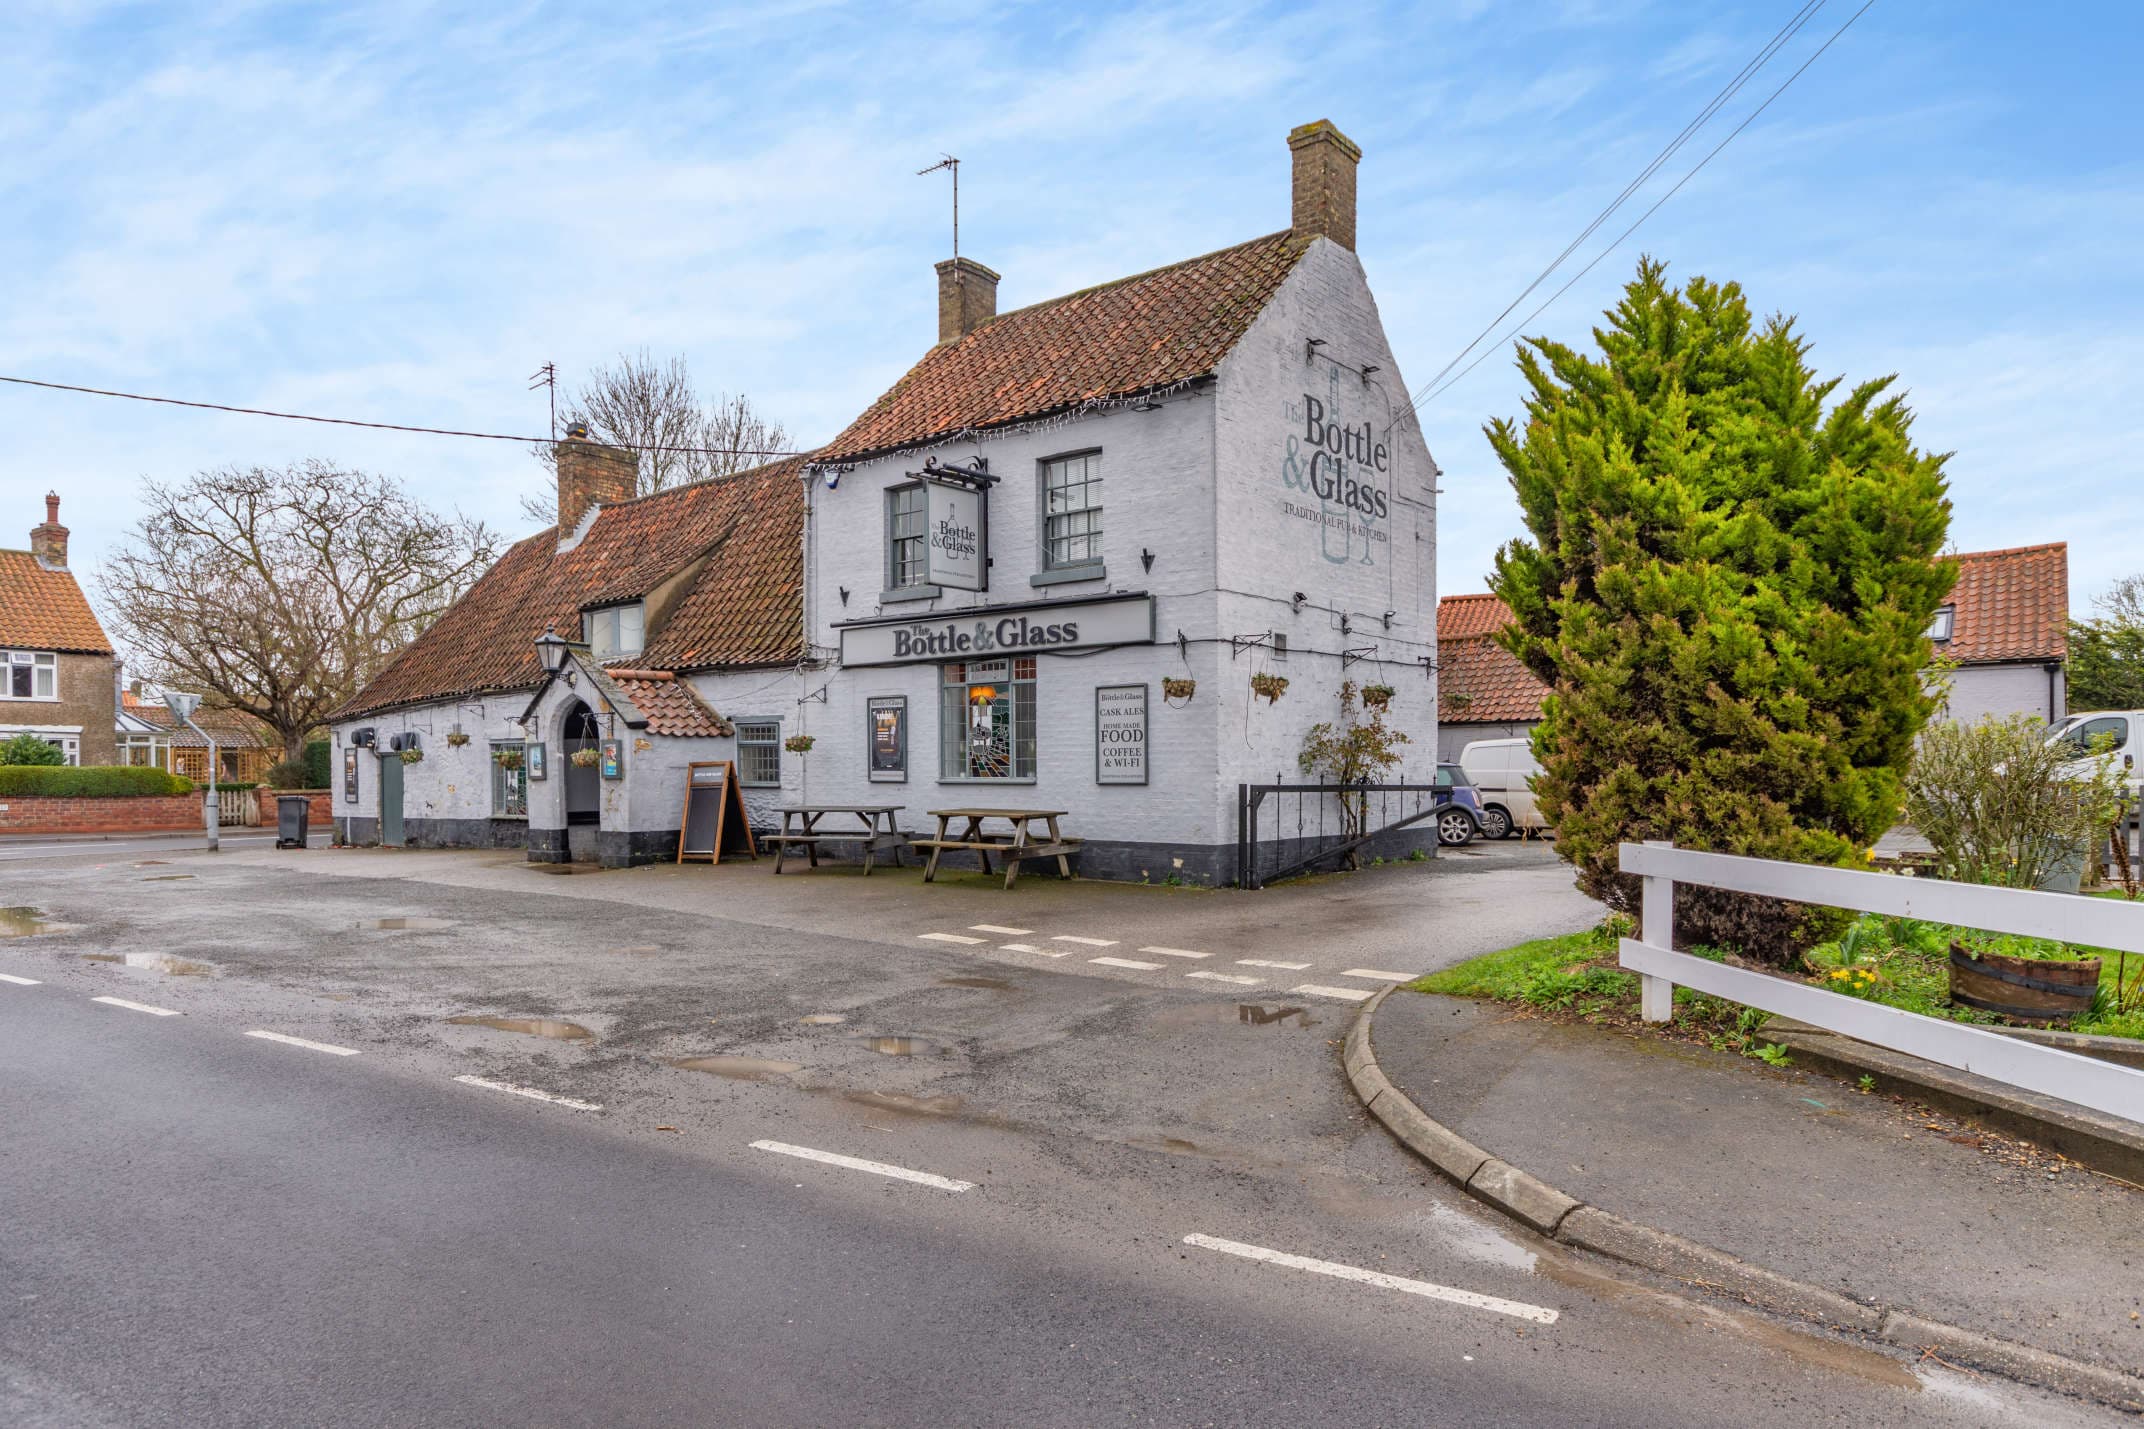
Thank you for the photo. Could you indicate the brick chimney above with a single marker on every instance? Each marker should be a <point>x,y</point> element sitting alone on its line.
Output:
<point>49,542</point>
<point>1325,161</point>
<point>967,298</point>
<point>591,474</point>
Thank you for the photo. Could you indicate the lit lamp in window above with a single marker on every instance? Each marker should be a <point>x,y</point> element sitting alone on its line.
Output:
<point>982,694</point>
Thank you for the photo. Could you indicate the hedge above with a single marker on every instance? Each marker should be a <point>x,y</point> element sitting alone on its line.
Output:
<point>95,781</point>
<point>319,769</point>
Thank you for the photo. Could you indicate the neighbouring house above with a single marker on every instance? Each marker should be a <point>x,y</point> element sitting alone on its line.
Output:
<point>1042,571</point>
<point>2001,641</point>
<point>57,671</point>
<point>150,734</point>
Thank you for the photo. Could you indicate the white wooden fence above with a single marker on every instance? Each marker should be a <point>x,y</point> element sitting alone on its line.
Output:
<point>2098,922</point>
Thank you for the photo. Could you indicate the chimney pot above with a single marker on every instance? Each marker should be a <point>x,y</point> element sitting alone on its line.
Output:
<point>967,298</point>
<point>48,541</point>
<point>1324,189</point>
<point>591,474</point>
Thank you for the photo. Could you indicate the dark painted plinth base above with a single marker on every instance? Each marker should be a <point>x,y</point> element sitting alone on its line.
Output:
<point>547,845</point>
<point>620,848</point>
<point>357,832</point>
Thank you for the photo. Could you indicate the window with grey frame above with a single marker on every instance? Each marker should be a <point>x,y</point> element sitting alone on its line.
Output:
<point>907,561</point>
<point>759,753</point>
<point>1072,511</point>
<point>509,779</point>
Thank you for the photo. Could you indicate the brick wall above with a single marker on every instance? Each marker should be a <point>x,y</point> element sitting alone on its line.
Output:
<point>85,699</point>
<point>323,802</point>
<point>38,814</point>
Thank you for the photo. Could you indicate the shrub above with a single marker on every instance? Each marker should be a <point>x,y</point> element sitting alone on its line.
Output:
<point>2001,805</point>
<point>94,781</point>
<point>319,766</point>
<point>30,750</point>
<point>290,774</point>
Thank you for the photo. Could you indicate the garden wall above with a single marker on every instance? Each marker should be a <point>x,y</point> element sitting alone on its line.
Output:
<point>141,813</point>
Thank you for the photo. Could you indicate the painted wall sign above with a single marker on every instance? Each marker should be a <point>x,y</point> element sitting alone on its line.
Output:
<point>987,634</point>
<point>349,775</point>
<point>956,536</point>
<point>1120,734</point>
<point>613,759</point>
<point>534,760</point>
<point>1336,471</point>
<point>888,716</point>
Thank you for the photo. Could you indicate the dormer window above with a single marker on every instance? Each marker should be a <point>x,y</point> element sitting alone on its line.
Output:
<point>613,632</point>
<point>1939,628</point>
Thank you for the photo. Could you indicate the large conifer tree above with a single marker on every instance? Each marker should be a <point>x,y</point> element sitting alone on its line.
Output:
<point>1727,589</point>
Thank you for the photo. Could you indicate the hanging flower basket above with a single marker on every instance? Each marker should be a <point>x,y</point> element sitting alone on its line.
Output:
<point>1269,687</point>
<point>799,743</point>
<point>1376,697</point>
<point>585,758</point>
<point>412,756</point>
<point>1178,689</point>
<point>457,739</point>
<point>508,759</point>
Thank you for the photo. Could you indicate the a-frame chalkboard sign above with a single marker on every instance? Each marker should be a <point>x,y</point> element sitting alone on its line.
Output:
<point>715,822</point>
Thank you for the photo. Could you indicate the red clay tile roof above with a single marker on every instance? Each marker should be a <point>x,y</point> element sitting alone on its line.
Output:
<point>1462,617</point>
<point>2010,605</point>
<point>744,608</point>
<point>1139,333</point>
<point>232,729</point>
<point>45,610</point>
<point>1479,681</point>
<point>669,704</point>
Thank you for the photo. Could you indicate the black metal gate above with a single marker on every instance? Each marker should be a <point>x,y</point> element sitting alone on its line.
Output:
<point>1286,829</point>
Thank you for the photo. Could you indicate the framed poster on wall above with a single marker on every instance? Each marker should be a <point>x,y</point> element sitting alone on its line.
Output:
<point>613,759</point>
<point>1120,734</point>
<point>349,775</point>
<point>533,760</point>
<point>888,718</point>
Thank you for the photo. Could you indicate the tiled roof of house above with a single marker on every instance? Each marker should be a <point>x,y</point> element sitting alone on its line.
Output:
<point>1462,617</point>
<point>669,705</point>
<point>2012,604</point>
<point>745,607</point>
<point>1134,335</point>
<point>44,609</point>
<point>232,729</point>
<point>1479,681</point>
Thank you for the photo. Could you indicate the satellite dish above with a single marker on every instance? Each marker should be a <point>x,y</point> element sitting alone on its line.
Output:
<point>182,706</point>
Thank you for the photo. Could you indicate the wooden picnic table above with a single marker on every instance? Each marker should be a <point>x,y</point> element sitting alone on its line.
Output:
<point>879,834</point>
<point>1015,847</point>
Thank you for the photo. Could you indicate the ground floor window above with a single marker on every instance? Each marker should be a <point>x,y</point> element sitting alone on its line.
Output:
<point>509,779</point>
<point>986,724</point>
<point>759,752</point>
<point>69,745</point>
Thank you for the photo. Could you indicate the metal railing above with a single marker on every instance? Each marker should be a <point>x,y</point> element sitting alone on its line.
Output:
<point>2096,922</point>
<point>1287,829</point>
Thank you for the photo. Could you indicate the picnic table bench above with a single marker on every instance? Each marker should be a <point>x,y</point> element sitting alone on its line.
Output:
<point>800,828</point>
<point>1015,848</point>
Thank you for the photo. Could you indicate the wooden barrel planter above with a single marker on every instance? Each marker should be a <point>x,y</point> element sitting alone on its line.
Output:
<point>2038,991</point>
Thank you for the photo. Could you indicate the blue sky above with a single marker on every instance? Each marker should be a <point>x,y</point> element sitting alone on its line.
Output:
<point>397,211</point>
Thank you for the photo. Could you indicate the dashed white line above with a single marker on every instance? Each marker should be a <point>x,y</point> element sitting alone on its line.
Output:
<point>950,938</point>
<point>857,1163</point>
<point>999,928</point>
<point>289,1041</point>
<point>137,1006</point>
<point>19,981</point>
<point>1175,952</point>
<point>1228,977</point>
<point>1264,963</point>
<point>1031,948</point>
<point>1345,994</point>
<point>1084,942</point>
<point>1380,974</point>
<point>1518,1309</point>
<point>530,1092</point>
<point>1126,963</point>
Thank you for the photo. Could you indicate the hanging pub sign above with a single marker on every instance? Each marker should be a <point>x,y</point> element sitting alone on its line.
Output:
<point>956,536</point>
<point>1032,628</point>
<point>1120,734</point>
<point>349,775</point>
<point>888,715</point>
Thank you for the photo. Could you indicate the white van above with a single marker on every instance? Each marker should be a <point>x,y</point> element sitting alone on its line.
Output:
<point>1503,771</point>
<point>2081,732</point>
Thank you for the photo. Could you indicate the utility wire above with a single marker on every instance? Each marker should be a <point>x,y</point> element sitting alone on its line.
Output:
<point>1618,240</point>
<point>378,426</point>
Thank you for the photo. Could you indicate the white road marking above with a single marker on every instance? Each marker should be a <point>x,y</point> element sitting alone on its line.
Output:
<point>289,1041</point>
<point>1228,977</point>
<point>1380,975</point>
<point>1518,1309</point>
<point>530,1092</point>
<point>1084,942</point>
<point>999,928</point>
<point>950,938</point>
<point>857,1163</point>
<point>19,981</point>
<point>1175,952</point>
<point>137,1006</point>
<point>1263,963</point>
<point>1031,948</point>
<point>1126,963</point>
<point>1346,994</point>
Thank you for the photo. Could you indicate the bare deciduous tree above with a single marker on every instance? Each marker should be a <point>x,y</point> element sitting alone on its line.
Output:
<point>650,406</point>
<point>282,592</point>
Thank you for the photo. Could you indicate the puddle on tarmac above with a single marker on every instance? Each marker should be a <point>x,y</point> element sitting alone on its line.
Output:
<point>167,878</point>
<point>534,1026</point>
<point>1237,1014</point>
<point>824,1019</point>
<point>166,963</point>
<point>993,984</point>
<point>153,863</point>
<point>897,1046</point>
<point>411,925</point>
<point>21,922</point>
<point>914,1106</point>
<point>743,1069</point>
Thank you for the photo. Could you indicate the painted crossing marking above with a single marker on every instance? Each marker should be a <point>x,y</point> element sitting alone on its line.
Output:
<point>1345,994</point>
<point>1084,942</point>
<point>1429,1290</point>
<point>1263,963</point>
<point>1126,963</point>
<point>136,1006</point>
<point>857,1163</point>
<point>951,938</point>
<point>289,1041</point>
<point>999,928</point>
<point>1228,977</point>
<point>530,1092</point>
<point>1175,952</point>
<point>1380,975</point>
<point>20,981</point>
<point>1031,948</point>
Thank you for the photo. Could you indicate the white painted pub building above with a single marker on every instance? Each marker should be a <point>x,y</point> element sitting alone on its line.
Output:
<point>1041,572</point>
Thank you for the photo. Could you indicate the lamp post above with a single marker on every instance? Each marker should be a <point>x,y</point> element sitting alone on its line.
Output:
<point>551,648</point>
<point>183,706</point>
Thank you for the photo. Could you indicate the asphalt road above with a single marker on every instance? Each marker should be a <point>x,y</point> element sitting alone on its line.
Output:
<point>202,1227</point>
